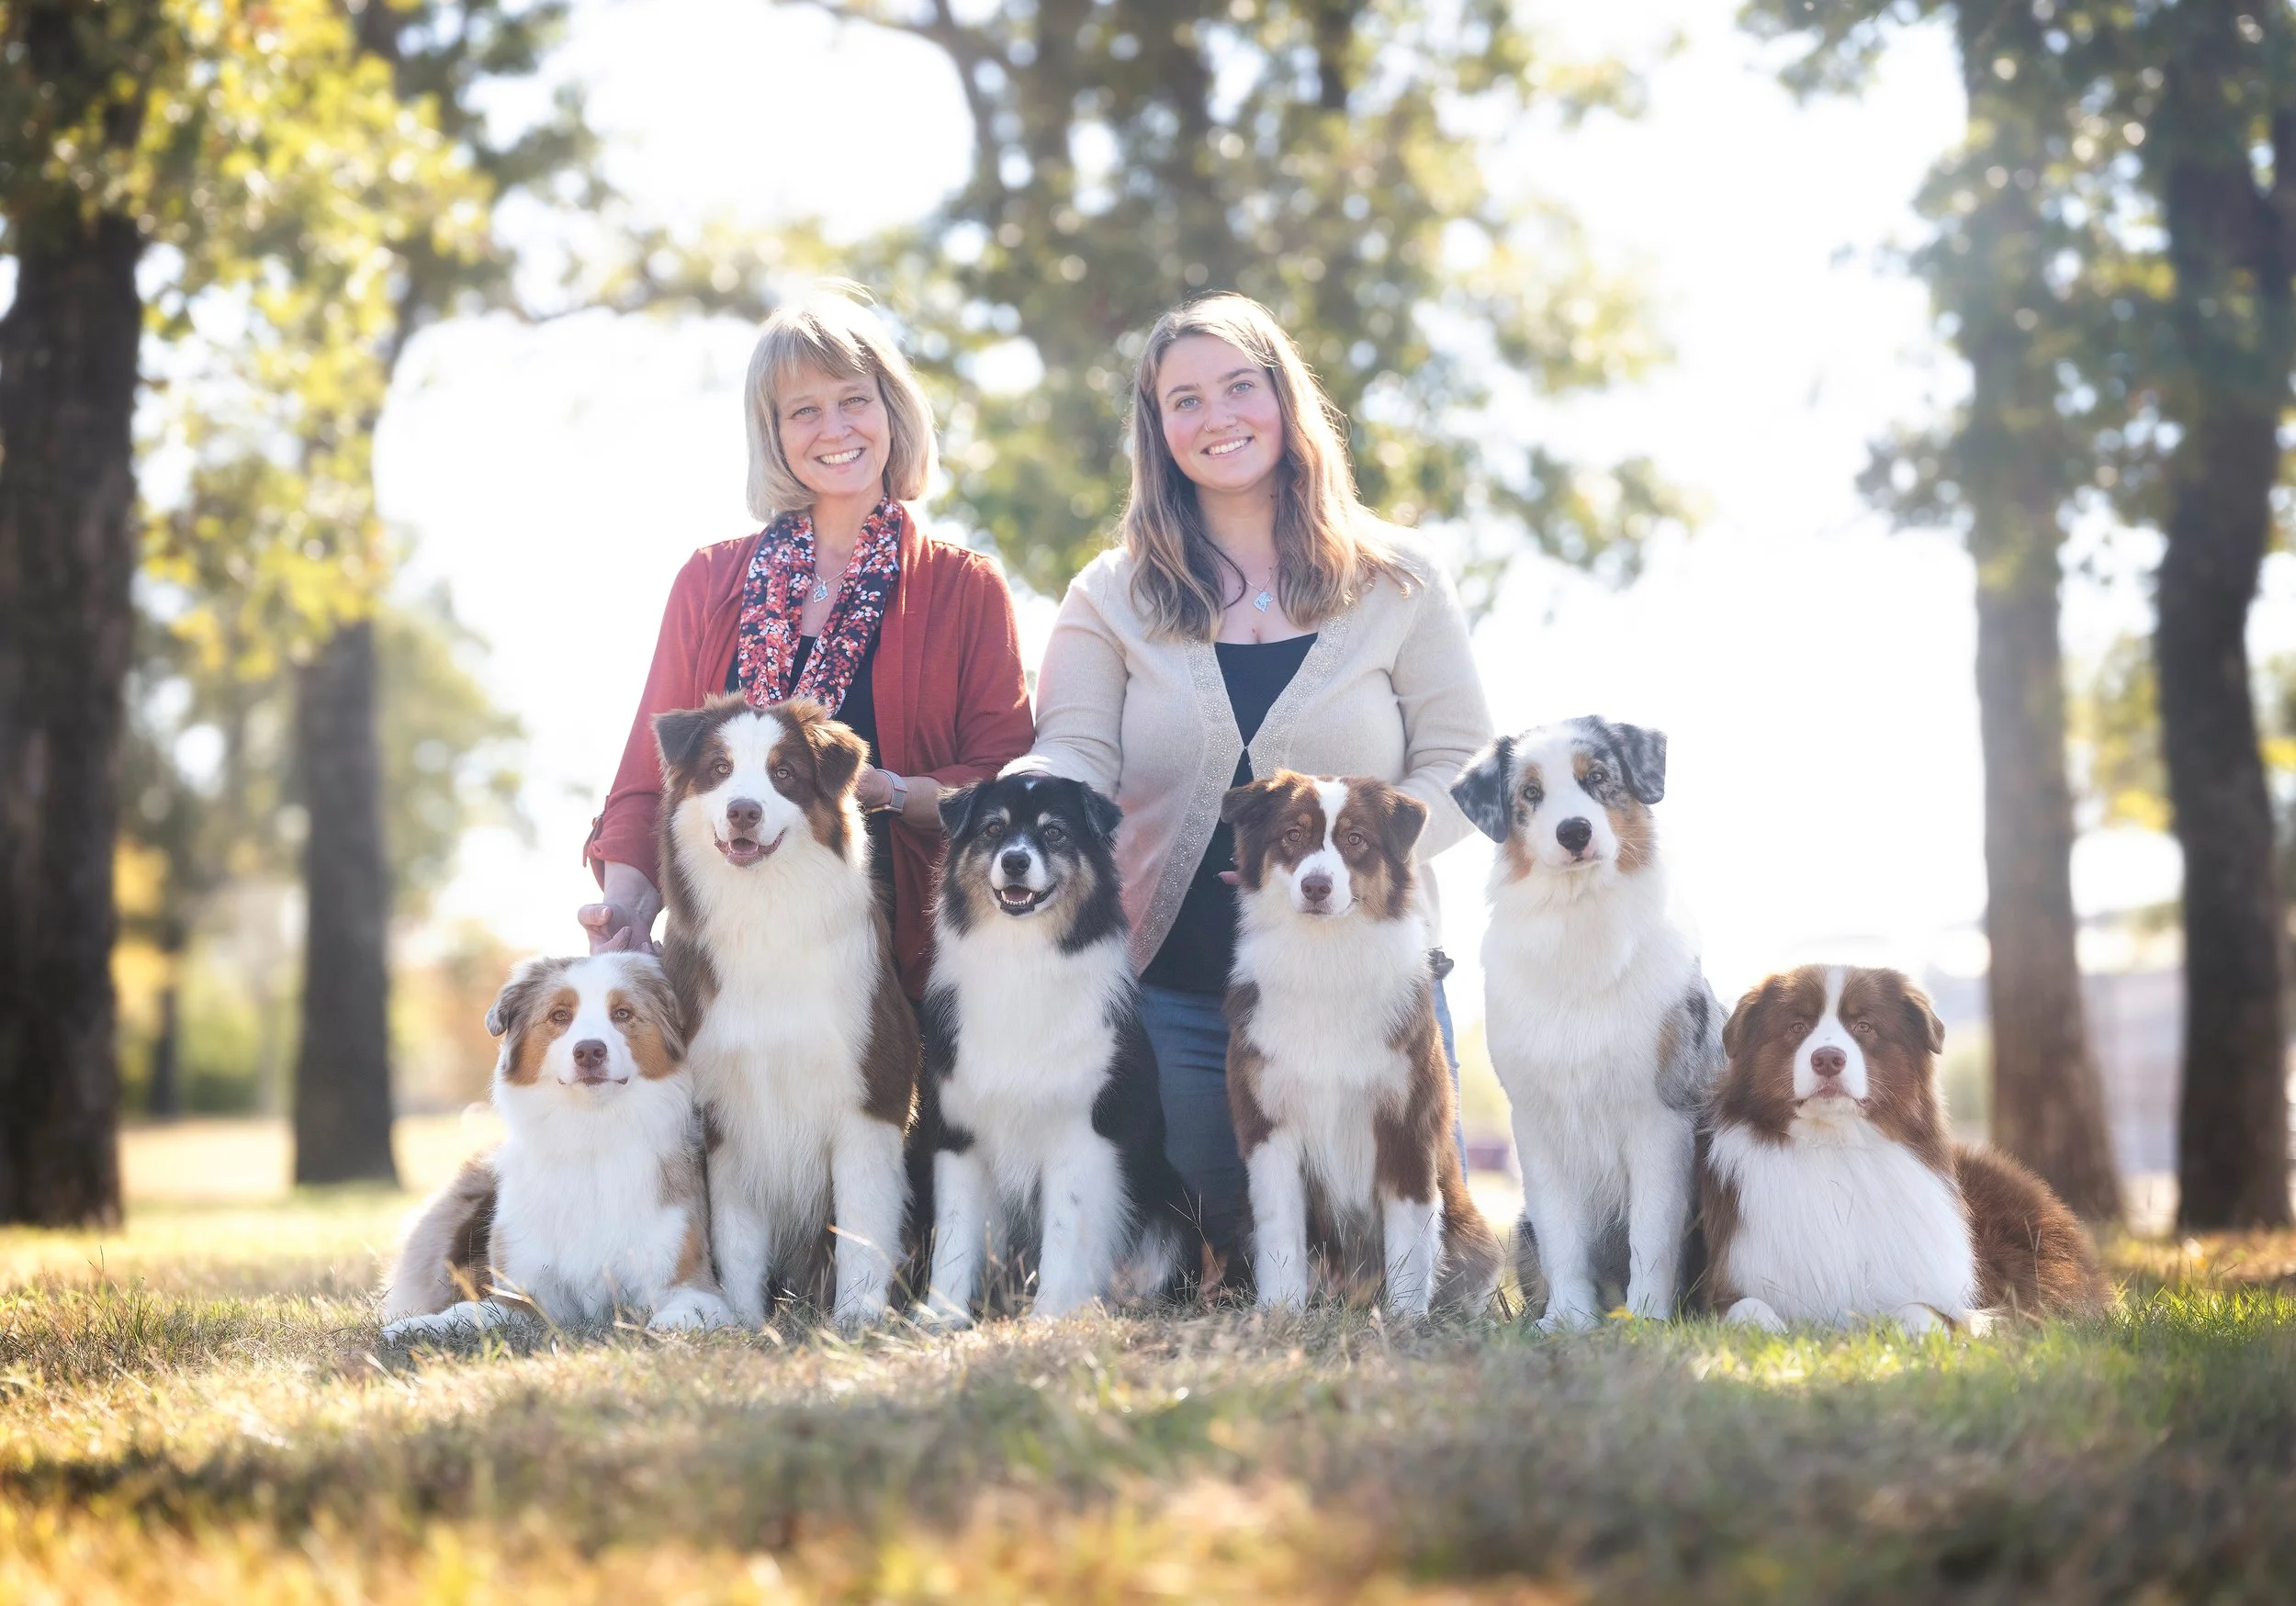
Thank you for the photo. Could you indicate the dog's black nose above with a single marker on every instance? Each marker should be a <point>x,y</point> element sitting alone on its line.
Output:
<point>590,1058</point>
<point>1316,887</point>
<point>1828,1062</point>
<point>1016,862</point>
<point>1574,833</point>
<point>744,814</point>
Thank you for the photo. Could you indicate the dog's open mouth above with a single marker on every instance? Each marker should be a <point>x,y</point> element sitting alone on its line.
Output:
<point>747,851</point>
<point>1017,899</point>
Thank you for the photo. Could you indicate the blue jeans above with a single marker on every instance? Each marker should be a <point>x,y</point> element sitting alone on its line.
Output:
<point>1189,1034</point>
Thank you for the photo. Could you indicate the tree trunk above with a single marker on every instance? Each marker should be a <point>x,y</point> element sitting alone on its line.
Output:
<point>2230,312</point>
<point>342,1067</point>
<point>67,555</point>
<point>2231,1124</point>
<point>164,1097</point>
<point>2048,1105</point>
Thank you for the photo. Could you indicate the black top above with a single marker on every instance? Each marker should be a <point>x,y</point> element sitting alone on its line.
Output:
<point>858,714</point>
<point>1199,949</point>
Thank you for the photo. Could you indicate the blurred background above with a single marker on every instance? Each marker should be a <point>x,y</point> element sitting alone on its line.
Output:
<point>1826,383</point>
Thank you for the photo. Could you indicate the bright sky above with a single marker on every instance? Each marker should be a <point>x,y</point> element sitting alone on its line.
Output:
<point>1812,669</point>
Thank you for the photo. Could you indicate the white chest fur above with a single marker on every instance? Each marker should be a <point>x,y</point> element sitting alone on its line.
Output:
<point>581,1217</point>
<point>1034,1042</point>
<point>779,1052</point>
<point>1330,993</point>
<point>1842,1222</point>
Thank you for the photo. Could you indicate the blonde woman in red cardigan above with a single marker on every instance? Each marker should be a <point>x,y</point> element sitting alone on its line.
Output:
<point>841,599</point>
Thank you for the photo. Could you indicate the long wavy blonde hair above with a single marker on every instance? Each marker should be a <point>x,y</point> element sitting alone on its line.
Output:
<point>1329,546</point>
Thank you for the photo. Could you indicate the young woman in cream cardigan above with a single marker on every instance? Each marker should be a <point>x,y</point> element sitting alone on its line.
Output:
<point>1257,616</point>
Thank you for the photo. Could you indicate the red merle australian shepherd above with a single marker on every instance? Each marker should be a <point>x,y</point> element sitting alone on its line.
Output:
<point>1830,1191</point>
<point>803,1049</point>
<point>1336,1077</point>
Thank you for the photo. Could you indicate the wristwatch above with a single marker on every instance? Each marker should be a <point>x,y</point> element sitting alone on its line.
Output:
<point>900,794</point>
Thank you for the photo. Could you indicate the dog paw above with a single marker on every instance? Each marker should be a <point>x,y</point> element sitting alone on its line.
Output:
<point>1755,1313</point>
<point>939,1318</point>
<point>691,1315</point>
<point>1569,1319</point>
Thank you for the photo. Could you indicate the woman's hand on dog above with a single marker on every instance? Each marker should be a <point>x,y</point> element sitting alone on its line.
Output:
<point>623,921</point>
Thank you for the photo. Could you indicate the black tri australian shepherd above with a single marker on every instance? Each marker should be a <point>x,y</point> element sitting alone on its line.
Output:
<point>1039,1101</point>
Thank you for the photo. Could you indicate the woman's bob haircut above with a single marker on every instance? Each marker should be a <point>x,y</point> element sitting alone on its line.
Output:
<point>1329,546</point>
<point>832,331</point>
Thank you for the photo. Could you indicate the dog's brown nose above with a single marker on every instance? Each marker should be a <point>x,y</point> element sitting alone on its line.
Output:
<point>1316,887</point>
<point>1828,1062</point>
<point>590,1060</point>
<point>744,814</point>
<point>1574,833</point>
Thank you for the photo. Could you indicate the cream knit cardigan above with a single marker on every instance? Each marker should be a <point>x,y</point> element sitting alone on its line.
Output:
<point>1390,689</point>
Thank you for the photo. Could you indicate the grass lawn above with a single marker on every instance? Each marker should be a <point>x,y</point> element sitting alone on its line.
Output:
<point>194,1409</point>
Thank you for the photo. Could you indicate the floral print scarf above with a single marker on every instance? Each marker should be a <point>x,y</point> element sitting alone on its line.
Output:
<point>773,594</point>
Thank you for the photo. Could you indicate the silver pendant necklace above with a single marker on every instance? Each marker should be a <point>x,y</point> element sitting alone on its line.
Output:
<point>821,589</point>
<point>1263,599</point>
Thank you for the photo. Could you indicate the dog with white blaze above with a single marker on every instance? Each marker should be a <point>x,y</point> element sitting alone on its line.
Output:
<point>803,1049</point>
<point>1336,1077</point>
<point>1598,1019</point>
<point>1039,1102</point>
<point>594,1202</point>
<point>1829,1191</point>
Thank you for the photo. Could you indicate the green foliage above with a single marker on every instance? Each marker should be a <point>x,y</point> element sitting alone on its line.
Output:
<point>450,756</point>
<point>1314,153</point>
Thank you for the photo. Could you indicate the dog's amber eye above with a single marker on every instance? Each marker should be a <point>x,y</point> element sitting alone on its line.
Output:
<point>784,772</point>
<point>993,830</point>
<point>1292,836</point>
<point>561,1018</point>
<point>1355,841</point>
<point>1796,1025</point>
<point>722,767</point>
<point>1865,1028</point>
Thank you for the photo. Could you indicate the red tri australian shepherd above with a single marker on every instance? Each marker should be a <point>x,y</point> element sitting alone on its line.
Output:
<point>804,1051</point>
<point>1830,1191</point>
<point>1336,1077</point>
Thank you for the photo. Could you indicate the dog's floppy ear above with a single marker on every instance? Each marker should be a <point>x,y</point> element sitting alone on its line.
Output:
<point>662,1003</point>
<point>1483,788</point>
<point>679,735</point>
<point>956,809</point>
<point>1741,1021</point>
<point>516,1000</point>
<point>1922,1014</point>
<point>1642,756</point>
<point>838,756</point>
<point>1101,812</point>
<point>1240,803</point>
<point>1406,819</point>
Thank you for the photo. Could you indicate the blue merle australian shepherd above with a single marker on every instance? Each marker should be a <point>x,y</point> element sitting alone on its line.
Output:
<point>1039,1102</point>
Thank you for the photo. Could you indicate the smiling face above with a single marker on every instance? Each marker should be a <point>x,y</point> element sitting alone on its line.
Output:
<point>1024,847</point>
<point>1568,799</point>
<point>589,1025</point>
<point>741,785</point>
<point>1827,1046</point>
<point>1322,849</point>
<point>835,433</point>
<point>1221,421</point>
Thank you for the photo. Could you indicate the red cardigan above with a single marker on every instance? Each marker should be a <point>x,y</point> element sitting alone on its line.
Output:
<point>951,701</point>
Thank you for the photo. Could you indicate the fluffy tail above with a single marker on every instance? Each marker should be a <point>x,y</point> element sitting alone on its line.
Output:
<point>1470,1251</point>
<point>444,1259</point>
<point>2034,1258</point>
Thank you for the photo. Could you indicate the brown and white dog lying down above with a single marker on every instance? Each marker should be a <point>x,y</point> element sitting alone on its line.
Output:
<point>1336,1077</point>
<point>804,1050</point>
<point>594,1201</point>
<point>1829,1191</point>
